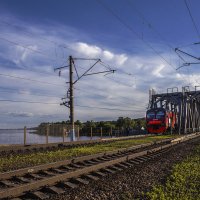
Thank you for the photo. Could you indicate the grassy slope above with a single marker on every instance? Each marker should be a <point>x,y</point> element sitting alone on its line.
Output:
<point>184,182</point>
<point>21,161</point>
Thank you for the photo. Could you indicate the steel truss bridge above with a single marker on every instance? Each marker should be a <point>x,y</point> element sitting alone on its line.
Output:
<point>186,104</point>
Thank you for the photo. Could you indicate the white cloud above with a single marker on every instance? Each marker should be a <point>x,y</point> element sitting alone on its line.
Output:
<point>20,114</point>
<point>121,59</point>
<point>87,50</point>
<point>93,51</point>
<point>158,70</point>
<point>108,55</point>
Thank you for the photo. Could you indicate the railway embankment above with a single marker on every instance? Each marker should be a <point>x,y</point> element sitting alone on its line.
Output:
<point>172,176</point>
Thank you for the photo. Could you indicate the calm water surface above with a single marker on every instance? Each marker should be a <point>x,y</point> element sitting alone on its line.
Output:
<point>17,137</point>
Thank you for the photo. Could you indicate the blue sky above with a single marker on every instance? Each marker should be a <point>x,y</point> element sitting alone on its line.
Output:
<point>136,37</point>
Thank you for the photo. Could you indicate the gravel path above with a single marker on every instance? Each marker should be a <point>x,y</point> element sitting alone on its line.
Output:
<point>132,182</point>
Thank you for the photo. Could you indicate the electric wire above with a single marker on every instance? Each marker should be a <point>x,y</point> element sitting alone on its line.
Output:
<point>39,72</point>
<point>123,97</point>
<point>105,108</point>
<point>25,93</point>
<point>29,33</point>
<point>27,79</point>
<point>42,95</point>
<point>54,103</point>
<point>25,47</point>
<point>20,101</point>
<point>134,32</point>
<point>192,19</point>
<point>149,25</point>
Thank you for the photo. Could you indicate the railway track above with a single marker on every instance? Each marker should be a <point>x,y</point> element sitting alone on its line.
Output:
<point>56,178</point>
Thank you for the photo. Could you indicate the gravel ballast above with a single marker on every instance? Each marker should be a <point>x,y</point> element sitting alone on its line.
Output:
<point>134,182</point>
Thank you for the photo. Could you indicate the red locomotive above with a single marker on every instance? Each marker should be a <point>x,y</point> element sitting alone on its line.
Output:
<point>160,120</point>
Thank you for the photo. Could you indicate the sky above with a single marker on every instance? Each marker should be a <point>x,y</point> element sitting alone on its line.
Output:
<point>137,38</point>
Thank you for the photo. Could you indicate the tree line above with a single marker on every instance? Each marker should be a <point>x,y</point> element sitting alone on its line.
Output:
<point>121,126</point>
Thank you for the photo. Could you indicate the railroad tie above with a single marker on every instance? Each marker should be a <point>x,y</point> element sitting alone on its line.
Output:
<point>85,163</point>
<point>69,184</point>
<point>68,167</point>
<point>134,162</point>
<point>80,180</point>
<point>55,190</point>
<point>36,176</point>
<point>48,173</point>
<point>147,157</point>
<point>75,165</point>
<point>97,160</point>
<point>109,170</point>
<point>100,173</point>
<point>95,178</point>
<point>139,160</point>
<point>22,179</point>
<point>142,159</point>
<point>59,171</point>
<point>91,162</point>
<point>122,165</point>
<point>126,163</point>
<point>116,168</point>
<point>104,159</point>
<point>7,183</point>
<point>39,195</point>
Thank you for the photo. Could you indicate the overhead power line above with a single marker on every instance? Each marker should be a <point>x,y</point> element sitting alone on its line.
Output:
<point>133,31</point>
<point>193,22</point>
<point>136,34</point>
<point>30,33</point>
<point>27,79</point>
<point>25,93</point>
<point>34,102</point>
<point>148,23</point>
<point>28,48</point>
<point>26,68</point>
<point>83,106</point>
<point>117,96</point>
<point>104,108</point>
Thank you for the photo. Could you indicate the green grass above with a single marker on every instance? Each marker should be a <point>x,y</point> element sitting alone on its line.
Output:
<point>33,159</point>
<point>184,182</point>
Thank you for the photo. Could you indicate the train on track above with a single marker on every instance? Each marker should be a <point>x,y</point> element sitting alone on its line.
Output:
<point>160,120</point>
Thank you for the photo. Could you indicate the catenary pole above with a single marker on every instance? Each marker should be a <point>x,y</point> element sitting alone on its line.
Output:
<point>71,102</point>
<point>70,93</point>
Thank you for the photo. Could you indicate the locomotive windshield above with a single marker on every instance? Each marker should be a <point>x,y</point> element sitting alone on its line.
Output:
<point>160,115</point>
<point>150,115</point>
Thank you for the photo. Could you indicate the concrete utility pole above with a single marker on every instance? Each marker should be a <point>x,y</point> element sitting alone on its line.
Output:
<point>70,93</point>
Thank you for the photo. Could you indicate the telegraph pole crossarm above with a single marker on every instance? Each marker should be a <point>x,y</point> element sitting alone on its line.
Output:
<point>59,68</point>
<point>98,60</point>
<point>108,71</point>
<point>177,49</point>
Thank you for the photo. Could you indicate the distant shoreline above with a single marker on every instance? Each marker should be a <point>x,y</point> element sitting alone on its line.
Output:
<point>4,129</point>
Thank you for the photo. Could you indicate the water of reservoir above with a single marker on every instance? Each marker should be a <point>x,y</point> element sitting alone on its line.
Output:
<point>17,137</point>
